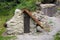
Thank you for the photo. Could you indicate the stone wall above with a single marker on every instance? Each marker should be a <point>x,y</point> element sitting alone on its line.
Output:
<point>16,24</point>
<point>48,9</point>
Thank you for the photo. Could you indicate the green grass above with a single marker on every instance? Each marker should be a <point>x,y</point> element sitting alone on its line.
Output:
<point>7,38</point>
<point>58,8</point>
<point>4,17</point>
<point>30,5</point>
<point>57,36</point>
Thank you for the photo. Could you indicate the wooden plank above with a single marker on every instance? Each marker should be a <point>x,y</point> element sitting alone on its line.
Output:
<point>26,23</point>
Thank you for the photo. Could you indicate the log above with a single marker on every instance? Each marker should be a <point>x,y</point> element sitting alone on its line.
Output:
<point>33,17</point>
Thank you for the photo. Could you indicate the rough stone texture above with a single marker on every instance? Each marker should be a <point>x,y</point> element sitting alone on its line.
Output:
<point>58,3</point>
<point>57,14</point>
<point>54,23</point>
<point>48,9</point>
<point>16,24</point>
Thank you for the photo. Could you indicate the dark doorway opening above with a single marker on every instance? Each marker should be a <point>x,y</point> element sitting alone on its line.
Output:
<point>48,1</point>
<point>26,22</point>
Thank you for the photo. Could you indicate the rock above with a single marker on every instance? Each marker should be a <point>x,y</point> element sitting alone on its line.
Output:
<point>15,25</point>
<point>18,12</point>
<point>57,14</point>
<point>39,29</point>
<point>48,9</point>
